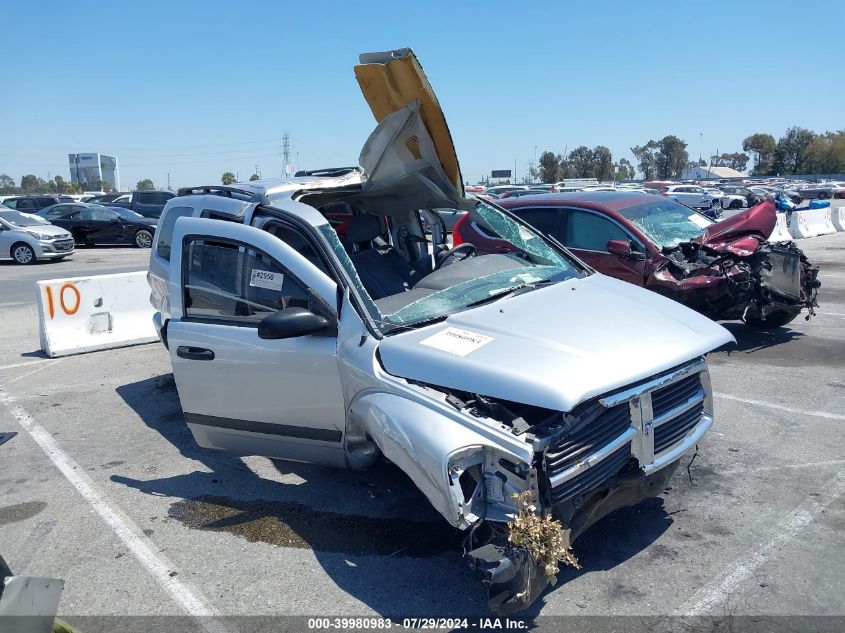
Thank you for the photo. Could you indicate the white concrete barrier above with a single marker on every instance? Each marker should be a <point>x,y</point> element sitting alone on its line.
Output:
<point>781,232</point>
<point>85,314</point>
<point>810,223</point>
<point>837,217</point>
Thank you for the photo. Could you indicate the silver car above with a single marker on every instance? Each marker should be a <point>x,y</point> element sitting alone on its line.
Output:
<point>297,335</point>
<point>26,239</point>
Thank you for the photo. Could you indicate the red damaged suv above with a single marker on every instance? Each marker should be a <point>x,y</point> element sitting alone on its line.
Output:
<point>725,270</point>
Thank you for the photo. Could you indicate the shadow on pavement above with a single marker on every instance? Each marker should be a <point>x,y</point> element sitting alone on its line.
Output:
<point>372,531</point>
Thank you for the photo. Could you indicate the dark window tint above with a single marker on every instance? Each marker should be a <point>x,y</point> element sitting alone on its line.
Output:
<point>97,215</point>
<point>148,198</point>
<point>165,230</point>
<point>590,231</point>
<point>297,242</point>
<point>59,209</point>
<point>46,202</point>
<point>541,218</point>
<point>25,204</point>
<point>236,283</point>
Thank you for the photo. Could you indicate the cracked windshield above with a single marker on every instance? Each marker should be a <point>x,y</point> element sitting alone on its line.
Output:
<point>666,222</point>
<point>523,259</point>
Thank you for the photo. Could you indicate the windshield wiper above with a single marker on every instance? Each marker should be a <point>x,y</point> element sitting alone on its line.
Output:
<point>512,292</point>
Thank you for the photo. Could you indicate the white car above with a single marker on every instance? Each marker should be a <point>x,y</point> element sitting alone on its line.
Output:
<point>729,200</point>
<point>693,196</point>
<point>26,239</point>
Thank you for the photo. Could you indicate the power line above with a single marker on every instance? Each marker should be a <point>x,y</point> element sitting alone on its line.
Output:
<point>145,147</point>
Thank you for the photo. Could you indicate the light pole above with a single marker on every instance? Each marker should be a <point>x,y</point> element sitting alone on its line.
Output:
<point>535,163</point>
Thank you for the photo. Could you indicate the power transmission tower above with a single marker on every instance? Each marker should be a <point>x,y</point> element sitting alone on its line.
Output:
<point>285,153</point>
<point>169,188</point>
<point>258,171</point>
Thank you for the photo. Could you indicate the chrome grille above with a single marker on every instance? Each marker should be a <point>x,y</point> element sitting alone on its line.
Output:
<point>607,425</point>
<point>665,399</point>
<point>592,477</point>
<point>675,429</point>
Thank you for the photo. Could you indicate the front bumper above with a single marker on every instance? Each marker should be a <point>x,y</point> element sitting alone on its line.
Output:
<point>55,248</point>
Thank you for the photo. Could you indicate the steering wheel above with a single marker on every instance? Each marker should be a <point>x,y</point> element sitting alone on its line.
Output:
<point>455,250</point>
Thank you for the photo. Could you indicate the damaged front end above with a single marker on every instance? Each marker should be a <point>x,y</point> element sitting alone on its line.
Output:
<point>608,453</point>
<point>765,284</point>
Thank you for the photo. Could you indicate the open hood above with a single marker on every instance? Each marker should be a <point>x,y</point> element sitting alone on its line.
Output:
<point>555,347</point>
<point>759,221</point>
<point>412,144</point>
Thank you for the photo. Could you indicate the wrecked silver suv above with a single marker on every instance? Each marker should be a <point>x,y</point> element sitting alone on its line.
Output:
<point>316,319</point>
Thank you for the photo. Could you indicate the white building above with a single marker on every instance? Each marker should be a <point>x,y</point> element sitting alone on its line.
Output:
<point>705,173</point>
<point>89,169</point>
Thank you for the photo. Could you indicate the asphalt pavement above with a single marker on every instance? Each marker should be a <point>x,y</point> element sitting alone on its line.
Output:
<point>104,487</point>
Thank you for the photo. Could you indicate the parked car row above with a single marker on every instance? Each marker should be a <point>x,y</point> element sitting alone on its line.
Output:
<point>51,233</point>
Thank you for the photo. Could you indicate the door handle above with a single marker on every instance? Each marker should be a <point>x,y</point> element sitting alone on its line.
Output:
<point>194,353</point>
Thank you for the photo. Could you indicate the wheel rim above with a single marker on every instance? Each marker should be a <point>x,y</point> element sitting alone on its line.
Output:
<point>143,239</point>
<point>23,254</point>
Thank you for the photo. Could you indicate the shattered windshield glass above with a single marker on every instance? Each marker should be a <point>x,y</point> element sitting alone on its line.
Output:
<point>666,222</point>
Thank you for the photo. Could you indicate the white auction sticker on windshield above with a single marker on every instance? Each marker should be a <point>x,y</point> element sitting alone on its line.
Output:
<point>699,220</point>
<point>456,341</point>
<point>266,279</point>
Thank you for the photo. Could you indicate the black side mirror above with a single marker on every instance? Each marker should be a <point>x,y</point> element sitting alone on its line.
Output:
<point>294,322</point>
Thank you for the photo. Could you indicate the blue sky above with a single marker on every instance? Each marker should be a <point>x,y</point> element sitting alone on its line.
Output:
<point>198,88</point>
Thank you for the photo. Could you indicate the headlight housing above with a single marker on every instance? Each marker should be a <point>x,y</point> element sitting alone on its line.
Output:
<point>44,237</point>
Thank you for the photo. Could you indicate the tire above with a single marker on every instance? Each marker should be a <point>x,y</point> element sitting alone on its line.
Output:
<point>774,320</point>
<point>22,253</point>
<point>735,204</point>
<point>143,239</point>
<point>824,195</point>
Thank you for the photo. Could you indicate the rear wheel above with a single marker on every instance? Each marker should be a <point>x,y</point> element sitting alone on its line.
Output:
<point>735,204</point>
<point>823,195</point>
<point>143,239</point>
<point>774,320</point>
<point>23,254</point>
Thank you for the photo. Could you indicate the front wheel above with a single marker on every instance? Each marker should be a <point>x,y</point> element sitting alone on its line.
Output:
<point>23,254</point>
<point>774,320</point>
<point>823,195</point>
<point>143,239</point>
<point>735,204</point>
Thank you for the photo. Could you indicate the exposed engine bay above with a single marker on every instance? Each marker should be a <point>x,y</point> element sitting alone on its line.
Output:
<point>766,284</point>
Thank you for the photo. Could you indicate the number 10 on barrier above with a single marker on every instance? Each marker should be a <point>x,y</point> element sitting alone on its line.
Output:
<point>68,296</point>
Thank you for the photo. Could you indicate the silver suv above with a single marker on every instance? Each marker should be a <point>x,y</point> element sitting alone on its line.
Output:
<point>317,320</point>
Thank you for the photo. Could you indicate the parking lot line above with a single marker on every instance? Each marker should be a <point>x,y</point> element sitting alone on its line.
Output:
<point>40,367</point>
<point>797,520</point>
<point>140,545</point>
<point>29,362</point>
<point>779,407</point>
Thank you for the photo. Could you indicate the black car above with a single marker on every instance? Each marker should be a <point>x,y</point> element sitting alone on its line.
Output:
<point>95,224</point>
<point>31,204</point>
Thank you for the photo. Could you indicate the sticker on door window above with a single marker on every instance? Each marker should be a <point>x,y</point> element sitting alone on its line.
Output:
<point>456,341</point>
<point>266,279</point>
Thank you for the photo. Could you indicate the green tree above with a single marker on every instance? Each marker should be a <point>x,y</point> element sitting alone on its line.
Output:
<point>789,151</point>
<point>763,147</point>
<point>254,177</point>
<point>228,178</point>
<point>603,162</point>
<point>825,154</point>
<point>734,160</point>
<point>61,185</point>
<point>549,165</point>
<point>583,162</point>
<point>29,183</point>
<point>74,188</point>
<point>671,158</point>
<point>145,185</point>
<point>646,156</point>
<point>623,170</point>
<point>7,184</point>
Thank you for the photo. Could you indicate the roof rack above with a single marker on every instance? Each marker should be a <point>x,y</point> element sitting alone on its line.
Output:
<point>328,172</point>
<point>217,190</point>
